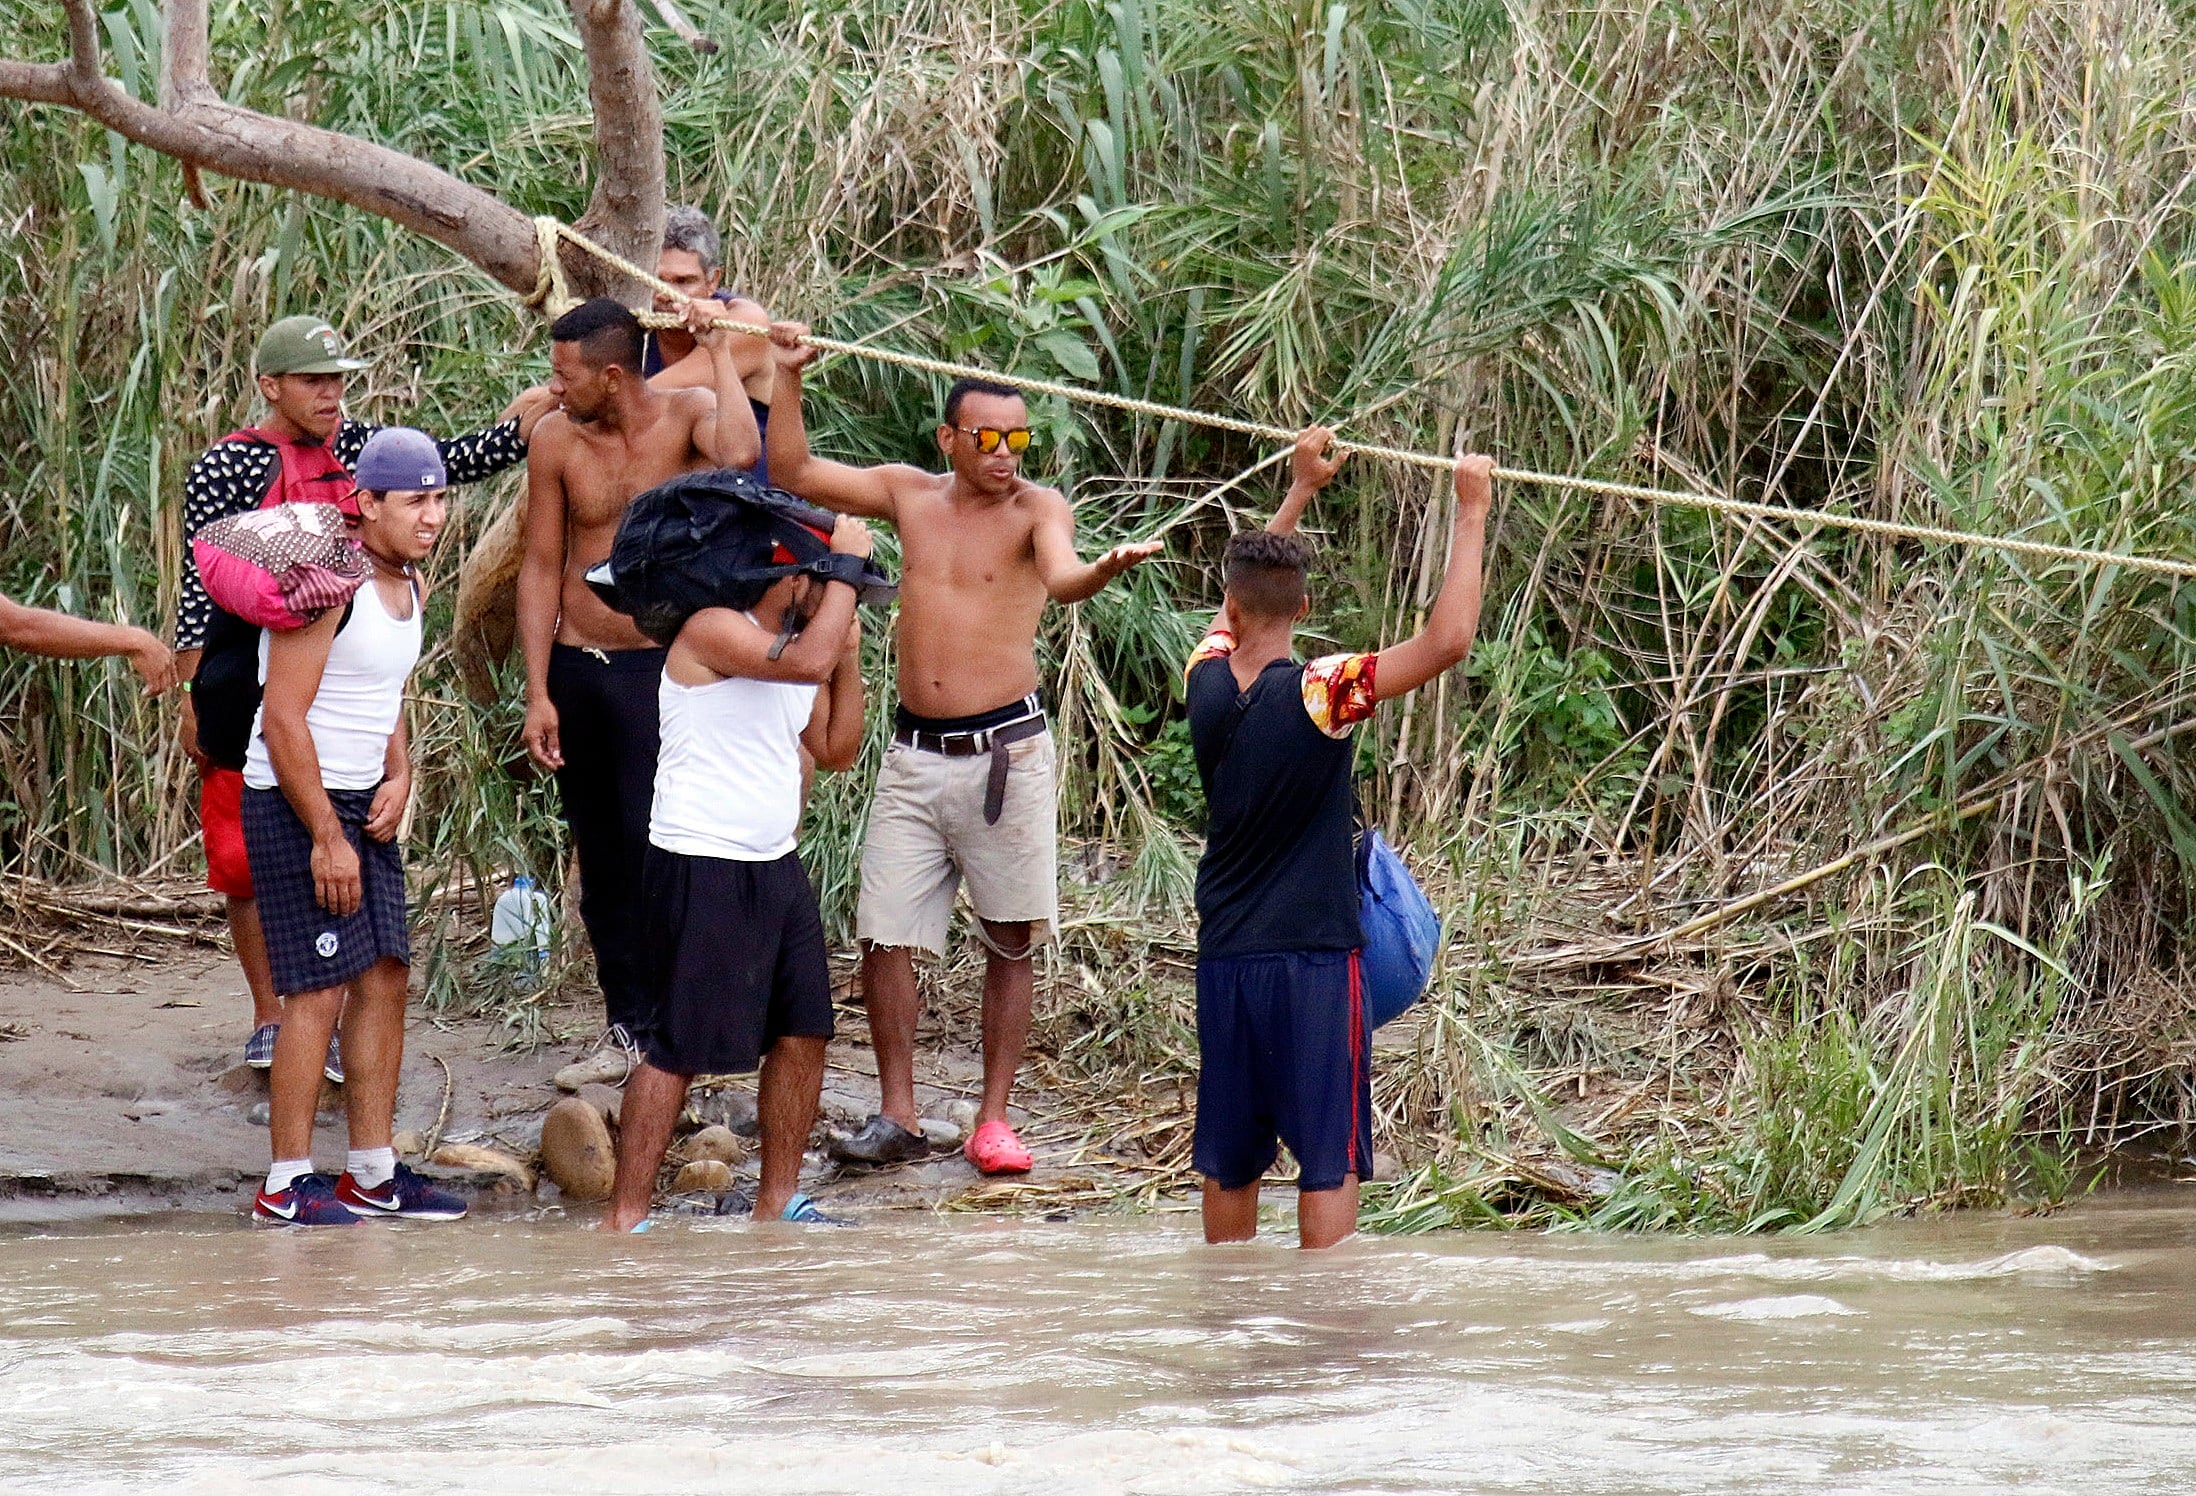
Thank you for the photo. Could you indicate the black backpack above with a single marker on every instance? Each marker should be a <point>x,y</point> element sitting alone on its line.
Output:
<point>719,539</point>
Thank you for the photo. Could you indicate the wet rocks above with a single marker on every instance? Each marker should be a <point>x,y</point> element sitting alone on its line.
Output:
<point>493,1162</point>
<point>938,1132</point>
<point>726,1106</point>
<point>962,1114</point>
<point>576,1150</point>
<point>719,1143</point>
<point>703,1174</point>
<point>608,1100</point>
<point>847,1111</point>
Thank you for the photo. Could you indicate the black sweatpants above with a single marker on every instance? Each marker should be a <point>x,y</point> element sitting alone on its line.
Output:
<point>606,724</point>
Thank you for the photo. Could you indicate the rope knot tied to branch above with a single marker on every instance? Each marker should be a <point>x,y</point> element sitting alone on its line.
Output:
<point>550,292</point>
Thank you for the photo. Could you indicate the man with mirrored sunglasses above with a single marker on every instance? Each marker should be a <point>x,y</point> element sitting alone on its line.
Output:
<point>966,791</point>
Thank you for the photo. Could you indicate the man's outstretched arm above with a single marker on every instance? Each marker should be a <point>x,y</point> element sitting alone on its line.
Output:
<point>60,636</point>
<point>1447,635</point>
<point>727,436</point>
<point>864,492</point>
<point>1068,578</point>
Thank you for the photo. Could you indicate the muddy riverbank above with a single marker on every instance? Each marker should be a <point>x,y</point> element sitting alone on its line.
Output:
<point>121,1090</point>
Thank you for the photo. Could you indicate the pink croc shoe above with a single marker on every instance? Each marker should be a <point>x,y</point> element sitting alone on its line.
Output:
<point>994,1149</point>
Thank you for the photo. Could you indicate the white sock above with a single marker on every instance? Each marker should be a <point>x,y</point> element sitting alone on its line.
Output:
<point>285,1171</point>
<point>372,1167</point>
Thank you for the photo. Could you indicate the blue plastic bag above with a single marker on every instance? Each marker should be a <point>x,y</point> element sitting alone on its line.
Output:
<point>1402,932</point>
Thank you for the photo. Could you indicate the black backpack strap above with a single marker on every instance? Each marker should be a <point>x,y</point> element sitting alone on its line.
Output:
<point>1235,725</point>
<point>350,604</point>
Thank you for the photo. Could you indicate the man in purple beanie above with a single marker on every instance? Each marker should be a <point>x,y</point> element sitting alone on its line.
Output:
<point>326,781</point>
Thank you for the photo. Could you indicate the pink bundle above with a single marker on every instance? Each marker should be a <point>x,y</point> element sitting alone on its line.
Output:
<point>280,567</point>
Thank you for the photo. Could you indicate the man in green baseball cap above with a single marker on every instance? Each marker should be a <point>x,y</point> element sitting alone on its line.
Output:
<point>301,451</point>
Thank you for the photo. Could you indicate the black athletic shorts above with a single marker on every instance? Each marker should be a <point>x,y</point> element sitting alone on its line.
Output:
<point>735,962</point>
<point>309,948</point>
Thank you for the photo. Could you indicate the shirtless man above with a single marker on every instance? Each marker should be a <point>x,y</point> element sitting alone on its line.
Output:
<point>966,791</point>
<point>590,674</point>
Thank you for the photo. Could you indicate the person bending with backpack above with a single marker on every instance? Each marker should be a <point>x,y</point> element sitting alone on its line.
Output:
<point>736,969</point>
<point>1281,1036</point>
<point>301,452</point>
<point>326,780</point>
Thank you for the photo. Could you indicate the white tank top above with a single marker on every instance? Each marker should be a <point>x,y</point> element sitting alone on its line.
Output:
<point>361,693</point>
<point>728,776</point>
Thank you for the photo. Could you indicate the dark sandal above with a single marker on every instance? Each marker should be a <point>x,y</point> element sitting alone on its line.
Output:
<point>881,1141</point>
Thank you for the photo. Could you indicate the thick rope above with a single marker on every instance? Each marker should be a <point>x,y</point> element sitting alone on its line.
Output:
<point>550,229</point>
<point>550,292</point>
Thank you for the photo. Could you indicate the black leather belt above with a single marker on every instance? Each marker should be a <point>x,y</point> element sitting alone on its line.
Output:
<point>992,740</point>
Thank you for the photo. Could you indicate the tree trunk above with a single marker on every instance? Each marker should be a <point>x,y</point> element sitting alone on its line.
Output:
<point>625,212</point>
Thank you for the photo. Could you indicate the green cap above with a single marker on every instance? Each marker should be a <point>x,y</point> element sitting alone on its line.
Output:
<point>302,345</point>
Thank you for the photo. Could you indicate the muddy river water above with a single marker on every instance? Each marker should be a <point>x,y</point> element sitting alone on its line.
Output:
<point>924,1354</point>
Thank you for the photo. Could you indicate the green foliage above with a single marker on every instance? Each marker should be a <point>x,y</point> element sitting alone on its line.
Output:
<point>1170,767</point>
<point>1930,263</point>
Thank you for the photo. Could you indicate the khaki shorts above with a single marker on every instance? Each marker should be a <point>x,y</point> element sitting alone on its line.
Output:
<point>927,835</point>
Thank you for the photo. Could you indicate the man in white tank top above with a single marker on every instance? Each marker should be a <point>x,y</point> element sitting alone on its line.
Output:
<point>326,781</point>
<point>736,970</point>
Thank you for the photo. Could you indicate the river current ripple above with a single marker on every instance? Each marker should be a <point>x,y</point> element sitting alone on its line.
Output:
<point>942,1354</point>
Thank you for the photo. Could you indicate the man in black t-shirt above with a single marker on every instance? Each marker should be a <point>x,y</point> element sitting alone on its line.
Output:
<point>1280,1018</point>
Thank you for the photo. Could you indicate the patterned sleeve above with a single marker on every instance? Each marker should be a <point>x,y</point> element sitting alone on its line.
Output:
<point>229,478</point>
<point>1338,692</point>
<point>1217,644</point>
<point>350,440</point>
<point>469,458</point>
<point>483,454</point>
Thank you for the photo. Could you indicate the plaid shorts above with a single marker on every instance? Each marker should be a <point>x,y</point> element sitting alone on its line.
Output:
<point>309,948</point>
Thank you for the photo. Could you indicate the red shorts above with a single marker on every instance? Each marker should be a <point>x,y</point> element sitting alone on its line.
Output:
<point>221,818</point>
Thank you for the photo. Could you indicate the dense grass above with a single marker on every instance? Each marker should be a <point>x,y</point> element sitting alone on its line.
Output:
<point>1928,261</point>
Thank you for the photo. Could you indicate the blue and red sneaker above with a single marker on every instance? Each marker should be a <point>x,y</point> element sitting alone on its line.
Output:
<point>309,1201</point>
<point>405,1194</point>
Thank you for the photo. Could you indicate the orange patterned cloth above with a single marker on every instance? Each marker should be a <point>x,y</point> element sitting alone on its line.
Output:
<point>1338,691</point>
<point>1337,688</point>
<point>1217,644</point>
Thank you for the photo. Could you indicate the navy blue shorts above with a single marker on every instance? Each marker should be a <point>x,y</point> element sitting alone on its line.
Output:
<point>1282,1057</point>
<point>309,948</point>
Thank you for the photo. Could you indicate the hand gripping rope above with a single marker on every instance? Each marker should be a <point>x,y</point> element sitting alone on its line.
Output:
<point>551,294</point>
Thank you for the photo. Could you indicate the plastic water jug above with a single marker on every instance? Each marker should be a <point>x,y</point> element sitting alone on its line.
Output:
<point>520,928</point>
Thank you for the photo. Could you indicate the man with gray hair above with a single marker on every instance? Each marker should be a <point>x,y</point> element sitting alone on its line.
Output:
<point>693,261</point>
